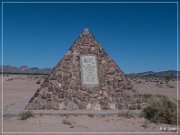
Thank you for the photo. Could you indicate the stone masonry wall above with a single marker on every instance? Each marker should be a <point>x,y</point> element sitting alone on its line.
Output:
<point>63,88</point>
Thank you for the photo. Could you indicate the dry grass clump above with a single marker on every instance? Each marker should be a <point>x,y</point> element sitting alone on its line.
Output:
<point>67,122</point>
<point>25,115</point>
<point>91,115</point>
<point>147,97</point>
<point>160,109</point>
<point>168,78</point>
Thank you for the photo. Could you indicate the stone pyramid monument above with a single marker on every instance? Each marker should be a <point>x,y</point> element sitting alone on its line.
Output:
<point>86,78</point>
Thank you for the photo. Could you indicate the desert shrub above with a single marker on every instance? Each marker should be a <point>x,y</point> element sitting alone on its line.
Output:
<point>25,115</point>
<point>91,115</point>
<point>167,78</point>
<point>67,122</point>
<point>147,97</point>
<point>161,110</point>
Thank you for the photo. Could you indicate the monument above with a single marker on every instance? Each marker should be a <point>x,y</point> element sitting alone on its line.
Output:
<point>86,78</point>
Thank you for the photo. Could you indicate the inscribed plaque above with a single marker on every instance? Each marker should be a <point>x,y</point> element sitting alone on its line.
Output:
<point>89,70</point>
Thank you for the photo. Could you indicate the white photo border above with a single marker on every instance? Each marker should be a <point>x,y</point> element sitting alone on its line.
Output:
<point>78,2</point>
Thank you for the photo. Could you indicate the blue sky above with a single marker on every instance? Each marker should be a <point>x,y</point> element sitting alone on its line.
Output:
<point>139,37</point>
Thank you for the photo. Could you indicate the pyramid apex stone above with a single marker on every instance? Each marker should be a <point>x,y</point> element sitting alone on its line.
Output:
<point>86,31</point>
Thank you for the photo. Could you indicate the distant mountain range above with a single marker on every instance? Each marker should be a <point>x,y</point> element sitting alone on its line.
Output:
<point>26,69</point>
<point>172,73</point>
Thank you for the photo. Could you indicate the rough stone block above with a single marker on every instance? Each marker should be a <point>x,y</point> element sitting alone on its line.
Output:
<point>132,106</point>
<point>55,99</point>
<point>31,106</point>
<point>55,106</point>
<point>112,106</point>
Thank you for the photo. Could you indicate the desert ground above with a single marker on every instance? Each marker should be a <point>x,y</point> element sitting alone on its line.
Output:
<point>16,88</point>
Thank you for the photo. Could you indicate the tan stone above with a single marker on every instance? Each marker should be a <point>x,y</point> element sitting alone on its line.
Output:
<point>55,106</point>
<point>112,106</point>
<point>139,100</point>
<point>88,106</point>
<point>96,107</point>
<point>48,105</point>
<point>71,106</point>
<point>132,106</point>
<point>31,106</point>
<point>55,99</point>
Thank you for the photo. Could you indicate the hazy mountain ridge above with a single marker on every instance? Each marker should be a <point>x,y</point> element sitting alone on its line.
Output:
<point>24,69</point>
<point>172,73</point>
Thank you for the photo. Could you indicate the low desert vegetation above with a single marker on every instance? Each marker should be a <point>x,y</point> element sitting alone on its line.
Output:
<point>91,115</point>
<point>25,115</point>
<point>147,97</point>
<point>67,122</point>
<point>168,78</point>
<point>160,109</point>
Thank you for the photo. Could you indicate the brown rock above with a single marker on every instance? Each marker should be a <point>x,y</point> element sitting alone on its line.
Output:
<point>42,106</point>
<point>49,105</point>
<point>67,94</point>
<point>65,87</point>
<point>119,100</point>
<point>139,100</point>
<point>72,83</point>
<point>36,94</point>
<point>118,90</point>
<point>139,106</point>
<point>112,106</point>
<point>70,74</point>
<point>31,106</point>
<point>76,88</point>
<point>55,106</point>
<point>66,101</point>
<point>55,99</point>
<point>65,66</point>
<point>82,105</point>
<point>67,57</point>
<point>120,107</point>
<point>61,96</point>
<point>50,89</point>
<point>48,95</point>
<point>76,101</point>
<point>65,78</point>
<point>43,95</point>
<point>132,106</point>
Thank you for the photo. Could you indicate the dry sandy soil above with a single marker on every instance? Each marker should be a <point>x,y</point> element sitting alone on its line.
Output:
<point>17,87</point>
